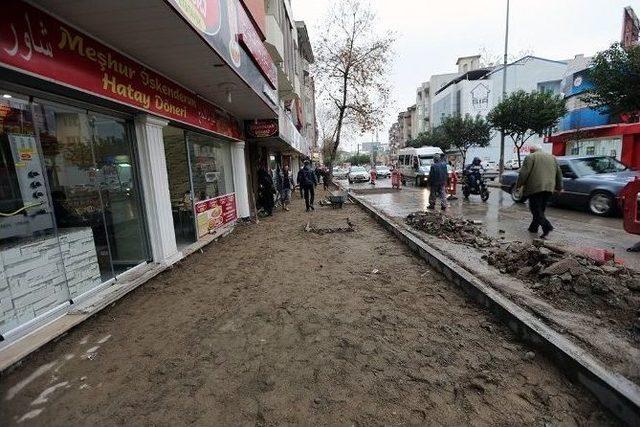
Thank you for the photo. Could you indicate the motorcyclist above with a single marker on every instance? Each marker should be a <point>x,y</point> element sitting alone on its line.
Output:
<point>474,172</point>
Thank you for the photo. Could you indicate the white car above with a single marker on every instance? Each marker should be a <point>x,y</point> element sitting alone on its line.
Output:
<point>382,171</point>
<point>358,174</point>
<point>512,164</point>
<point>340,173</point>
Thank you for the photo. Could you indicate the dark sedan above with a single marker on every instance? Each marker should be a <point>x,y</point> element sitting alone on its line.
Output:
<point>592,182</point>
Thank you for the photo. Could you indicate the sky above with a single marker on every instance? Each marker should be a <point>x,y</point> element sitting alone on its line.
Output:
<point>432,34</point>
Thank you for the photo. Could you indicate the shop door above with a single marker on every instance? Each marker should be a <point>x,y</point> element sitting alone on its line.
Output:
<point>92,172</point>
<point>32,273</point>
<point>119,192</point>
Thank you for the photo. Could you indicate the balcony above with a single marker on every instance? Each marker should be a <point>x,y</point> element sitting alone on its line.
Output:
<point>291,135</point>
<point>275,39</point>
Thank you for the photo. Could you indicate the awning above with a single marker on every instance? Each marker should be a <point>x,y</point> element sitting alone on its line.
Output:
<point>154,33</point>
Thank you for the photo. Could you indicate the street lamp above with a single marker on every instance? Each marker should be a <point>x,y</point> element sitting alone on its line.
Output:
<point>504,89</point>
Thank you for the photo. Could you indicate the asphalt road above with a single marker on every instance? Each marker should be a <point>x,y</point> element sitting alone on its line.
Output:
<point>573,227</point>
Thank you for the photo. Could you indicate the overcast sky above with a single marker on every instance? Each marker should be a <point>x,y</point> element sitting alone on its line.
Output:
<point>432,34</point>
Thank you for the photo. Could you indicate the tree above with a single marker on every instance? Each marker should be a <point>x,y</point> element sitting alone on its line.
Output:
<point>615,75</point>
<point>522,115</point>
<point>465,132</point>
<point>353,61</point>
<point>435,138</point>
<point>359,159</point>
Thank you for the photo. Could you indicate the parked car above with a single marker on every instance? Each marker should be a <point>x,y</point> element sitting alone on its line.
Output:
<point>340,173</point>
<point>383,171</point>
<point>512,164</point>
<point>491,170</point>
<point>590,182</point>
<point>358,174</point>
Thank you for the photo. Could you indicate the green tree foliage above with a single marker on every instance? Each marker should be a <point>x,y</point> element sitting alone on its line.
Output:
<point>522,115</point>
<point>436,138</point>
<point>359,159</point>
<point>465,132</point>
<point>615,75</point>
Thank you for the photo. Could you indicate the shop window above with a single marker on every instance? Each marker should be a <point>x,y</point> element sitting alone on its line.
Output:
<point>591,151</point>
<point>92,171</point>
<point>175,149</point>
<point>32,273</point>
<point>210,166</point>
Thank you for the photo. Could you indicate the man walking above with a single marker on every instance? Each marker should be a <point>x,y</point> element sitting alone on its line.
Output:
<point>539,177</point>
<point>307,182</point>
<point>438,177</point>
<point>286,187</point>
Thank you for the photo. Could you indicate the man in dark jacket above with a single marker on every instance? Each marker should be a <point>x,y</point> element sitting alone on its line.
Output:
<point>438,177</point>
<point>266,190</point>
<point>307,182</point>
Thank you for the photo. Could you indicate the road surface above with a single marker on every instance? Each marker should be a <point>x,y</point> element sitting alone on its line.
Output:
<point>573,227</point>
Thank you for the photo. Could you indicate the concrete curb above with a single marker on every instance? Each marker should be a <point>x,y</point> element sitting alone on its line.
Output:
<point>615,392</point>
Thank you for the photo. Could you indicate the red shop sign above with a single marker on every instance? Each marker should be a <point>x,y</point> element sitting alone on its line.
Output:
<point>32,41</point>
<point>262,128</point>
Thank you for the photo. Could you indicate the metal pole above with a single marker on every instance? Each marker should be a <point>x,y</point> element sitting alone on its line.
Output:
<point>504,88</point>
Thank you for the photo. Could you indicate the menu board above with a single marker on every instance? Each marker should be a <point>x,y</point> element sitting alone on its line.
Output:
<point>215,213</point>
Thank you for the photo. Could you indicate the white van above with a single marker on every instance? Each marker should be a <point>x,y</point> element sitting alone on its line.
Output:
<point>414,163</point>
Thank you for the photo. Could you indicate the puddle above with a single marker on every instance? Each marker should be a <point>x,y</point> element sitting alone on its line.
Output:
<point>25,382</point>
<point>104,339</point>
<point>44,396</point>
<point>30,415</point>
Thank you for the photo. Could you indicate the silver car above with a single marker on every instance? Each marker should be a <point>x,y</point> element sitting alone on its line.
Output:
<point>591,182</point>
<point>358,174</point>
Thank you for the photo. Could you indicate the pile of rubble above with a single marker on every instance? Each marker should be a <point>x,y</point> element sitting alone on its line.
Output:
<point>558,275</point>
<point>454,229</point>
<point>351,227</point>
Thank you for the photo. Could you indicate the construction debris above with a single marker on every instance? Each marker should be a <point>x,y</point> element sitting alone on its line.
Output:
<point>571,279</point>
<point>351,227</point>
<point>450,228</point>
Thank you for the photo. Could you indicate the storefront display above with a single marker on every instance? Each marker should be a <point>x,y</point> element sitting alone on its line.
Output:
<point>200,183</point>
<point>99,154</point>
<point>215,213</point>
<point>70,209</point>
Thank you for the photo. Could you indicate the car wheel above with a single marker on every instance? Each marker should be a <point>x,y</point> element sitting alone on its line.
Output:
<point>517,195</point>
<point>601,203</point>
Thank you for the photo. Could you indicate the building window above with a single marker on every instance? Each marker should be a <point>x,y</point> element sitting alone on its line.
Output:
<point>551,86</point>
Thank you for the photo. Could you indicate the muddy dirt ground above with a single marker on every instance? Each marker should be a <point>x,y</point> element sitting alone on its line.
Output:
<point>276,325</point>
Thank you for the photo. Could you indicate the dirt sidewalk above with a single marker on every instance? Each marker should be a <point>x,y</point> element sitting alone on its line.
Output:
<point>278,325</point>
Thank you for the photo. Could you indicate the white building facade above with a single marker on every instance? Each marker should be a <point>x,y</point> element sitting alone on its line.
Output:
<point>477,92</point>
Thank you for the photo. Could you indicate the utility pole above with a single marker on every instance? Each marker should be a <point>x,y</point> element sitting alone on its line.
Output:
<point>504,89</point>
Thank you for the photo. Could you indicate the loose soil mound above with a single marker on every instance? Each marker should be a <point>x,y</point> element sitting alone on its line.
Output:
<point>568,281</point>
<point>575,282</point>
<point>450,228</point>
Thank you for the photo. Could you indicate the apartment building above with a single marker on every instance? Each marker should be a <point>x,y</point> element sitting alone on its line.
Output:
<point>293,136</point>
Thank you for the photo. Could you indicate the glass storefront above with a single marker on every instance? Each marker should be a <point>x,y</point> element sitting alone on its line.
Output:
<point>71,214</point>
<point>32,271</point>
<point>199,169</point>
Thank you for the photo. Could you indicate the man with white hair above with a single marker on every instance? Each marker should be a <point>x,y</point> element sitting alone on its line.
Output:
<point>539,177</point>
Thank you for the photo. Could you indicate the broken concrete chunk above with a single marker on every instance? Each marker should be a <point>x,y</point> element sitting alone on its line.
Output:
<point>561,267</point>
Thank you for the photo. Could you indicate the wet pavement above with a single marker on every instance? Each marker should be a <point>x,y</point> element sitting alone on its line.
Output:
<point>572,227</point>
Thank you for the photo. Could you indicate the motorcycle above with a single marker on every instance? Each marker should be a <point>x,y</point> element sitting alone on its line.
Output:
<point>474,182</point>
